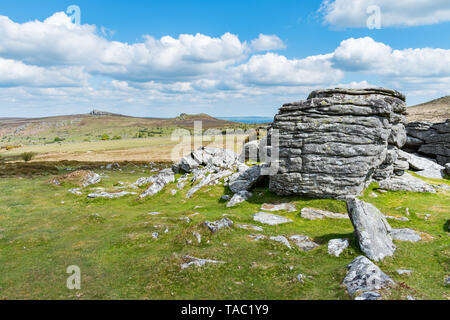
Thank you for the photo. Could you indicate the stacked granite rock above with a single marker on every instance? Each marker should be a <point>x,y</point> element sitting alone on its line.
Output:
<point>335,142</point>
<point>430,139</point>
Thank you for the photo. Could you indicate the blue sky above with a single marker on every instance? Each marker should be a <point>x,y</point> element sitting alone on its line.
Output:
<point>233,58</point>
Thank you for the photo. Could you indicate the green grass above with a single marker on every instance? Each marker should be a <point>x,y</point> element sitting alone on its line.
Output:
<point>44,229</point>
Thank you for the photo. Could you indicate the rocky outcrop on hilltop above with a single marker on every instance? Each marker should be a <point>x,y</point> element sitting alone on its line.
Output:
<point>429,139</point>
<point>335,142</point>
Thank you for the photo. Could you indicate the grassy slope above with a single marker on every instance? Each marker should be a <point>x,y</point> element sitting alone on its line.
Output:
<point>77,128</point>
<point>41,237</point>
<point>434,111</point>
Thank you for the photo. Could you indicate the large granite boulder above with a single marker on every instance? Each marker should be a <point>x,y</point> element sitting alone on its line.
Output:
<point>371,228</point>
<point>332,144</point>
<point>432,140</point>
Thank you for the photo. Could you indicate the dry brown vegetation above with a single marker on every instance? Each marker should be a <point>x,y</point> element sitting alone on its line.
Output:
<point>434,111</point>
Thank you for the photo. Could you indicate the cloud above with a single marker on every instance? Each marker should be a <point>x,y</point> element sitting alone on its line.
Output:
<point>353,14</point>
<point>273,69</point>
<point>57,41</point>
<point>16,73</point>
<point>367,55</point>
<point>267,43</point>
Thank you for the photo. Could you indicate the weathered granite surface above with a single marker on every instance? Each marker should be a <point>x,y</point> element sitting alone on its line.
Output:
<point>335,142</point>
<point>430,139</point>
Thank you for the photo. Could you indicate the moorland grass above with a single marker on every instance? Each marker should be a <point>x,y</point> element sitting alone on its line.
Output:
<point>44,229</point>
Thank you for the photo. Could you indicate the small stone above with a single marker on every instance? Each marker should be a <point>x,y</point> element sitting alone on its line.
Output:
<point>225,197</point>
<point>270,219</point>
<point>404,272</point>
<point>217,225</point>
<point>155,235</point>
<point>250,227</point>
<point>198,237</point>
<point>300,278</point>
<point>154,213</point>
<point>303,242</point>
<point>337,246</point>
<point>282,240</point>
<point>192,261</point>
<point>257,237</point>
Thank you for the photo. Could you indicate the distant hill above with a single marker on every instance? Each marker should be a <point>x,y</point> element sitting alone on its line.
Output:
<point>434,111</point>
<point>96,124</point>
<point>252,120</point>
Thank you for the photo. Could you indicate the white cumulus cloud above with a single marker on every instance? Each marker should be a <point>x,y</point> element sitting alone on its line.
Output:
<point>353,14</point>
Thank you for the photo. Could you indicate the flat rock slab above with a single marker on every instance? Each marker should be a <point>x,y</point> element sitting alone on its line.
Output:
<point>337,246</point>
<point>406,182</point>
<point>289,207</point>
<point>364,278</point>
<point>270,219</point>
<point>220,224</point>
<point>303,242</point>
<point>405,234</point>
<point>108,195</point>
<point>250,227</point>
<point>193,261</point>
<point>316,214</point>
<point>372,229</point>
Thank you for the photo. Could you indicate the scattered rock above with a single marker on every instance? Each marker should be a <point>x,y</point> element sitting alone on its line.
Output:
<point>404,272</point>
<point>282,240</point>
<point>220,224</point>
<point>173,192</point>
<point>257,237</point>
<point>406,183</point>
<point>245,181</point>
<point>425,167</point>
<point>373,195</point>
<point>154,213</point>
<point>289,207</point>
<point>109,195</point>
<point>155,235</point>
<point>220,158</point>
<point>239,198</point>
<point>405,234</point>
<point>270,219</point>
<point>225,197</point>
<point>250,227</point>
<point>303,242</point>
<point>316,214</point>
<point>364,276</point>
<point>397,218</point>
<point>208,180</point>
<point>447,168</point>
<point>192,261</point>
<point>76,191</point>
<point>447,281</point>
<point>371,228</point>
<point>300,278</point>
<point>337,246</point>
<point>198,237</point>
<point>165,177</point>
